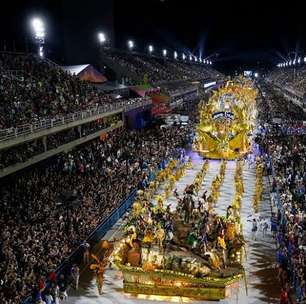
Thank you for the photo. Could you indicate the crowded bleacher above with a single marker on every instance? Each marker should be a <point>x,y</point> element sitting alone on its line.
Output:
<point>36,238</point>
<point>283,145</point>
<point>39,227</point>
<point>280,106</point>
<point>26,151</point>
<point>33,90</point>
<point>293,78</point>
<point>37,232</point>
<point>158,70</point>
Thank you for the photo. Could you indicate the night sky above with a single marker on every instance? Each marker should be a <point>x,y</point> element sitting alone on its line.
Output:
<point>247,33</point>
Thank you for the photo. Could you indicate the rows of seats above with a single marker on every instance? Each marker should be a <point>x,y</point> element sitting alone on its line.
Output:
<point>157,69</point>
<point>37,233</point>
<point>283,145</point>
<point>26,151</point>
<point>277,106</point>
<point>32,89</point>
<point>287,149</point>
<point>291,78</point>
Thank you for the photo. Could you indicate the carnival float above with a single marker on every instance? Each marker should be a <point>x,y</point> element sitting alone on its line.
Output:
<point>227,121</point>
<point>189,250</point>
<point>186,249</point>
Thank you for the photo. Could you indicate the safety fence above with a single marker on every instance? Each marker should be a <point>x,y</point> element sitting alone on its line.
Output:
<point>76,256</point>
<point>48,123</point>
<point>282,224</point>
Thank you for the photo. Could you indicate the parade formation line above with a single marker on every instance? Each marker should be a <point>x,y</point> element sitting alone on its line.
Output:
<point>113,287</point>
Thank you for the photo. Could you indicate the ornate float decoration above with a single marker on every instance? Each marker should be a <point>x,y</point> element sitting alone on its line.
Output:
<point>181,252</point>
<point>227,121</point>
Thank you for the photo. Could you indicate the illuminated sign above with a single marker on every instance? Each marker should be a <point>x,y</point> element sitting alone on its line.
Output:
<point>227,115</point>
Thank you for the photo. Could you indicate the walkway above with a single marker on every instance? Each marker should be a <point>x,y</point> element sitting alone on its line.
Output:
<point>261,277</point>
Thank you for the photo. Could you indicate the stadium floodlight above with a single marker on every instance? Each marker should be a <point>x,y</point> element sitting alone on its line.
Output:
<point>195,59</point>
<point>200,59</point>
<point>256,75</point>
<point>190,57</point>
<point>299,60</point>
<point>38,28</point>
<point>305,59</point>
<point>175,54</point>
<point>39,34</point>
<point>130,45</point>
<point>294,62</point>
<point>150,49</point>
<point>101,38</point>
<point>164,52</point>
<point>183,56</point>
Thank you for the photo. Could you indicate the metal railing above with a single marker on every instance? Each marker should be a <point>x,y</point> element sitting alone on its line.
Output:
<point>100,231</point>
<point>48,123</point>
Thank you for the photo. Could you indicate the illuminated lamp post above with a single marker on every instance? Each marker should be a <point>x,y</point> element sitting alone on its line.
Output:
<point>39,34</point>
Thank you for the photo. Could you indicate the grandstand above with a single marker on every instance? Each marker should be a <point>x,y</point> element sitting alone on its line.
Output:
<point>139,68</point>
<point>290,82</point>
<point>41,102</point>
<point>45,113</point>
<point>109,112</point>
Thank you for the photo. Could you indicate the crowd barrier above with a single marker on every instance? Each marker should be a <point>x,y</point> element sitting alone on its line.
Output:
<point>282,223</point>
<point>44,124</point>
<point>94,237</point>
<point>76,256</point>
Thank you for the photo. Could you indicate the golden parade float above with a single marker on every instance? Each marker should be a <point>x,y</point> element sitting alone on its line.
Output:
<point>188,251</point>
<point>226,121</point>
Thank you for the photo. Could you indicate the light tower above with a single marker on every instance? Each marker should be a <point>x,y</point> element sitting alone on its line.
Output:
<point>131,45</point>
<point>151,49</point>
<point>39,33</point>
<point>101,38</point>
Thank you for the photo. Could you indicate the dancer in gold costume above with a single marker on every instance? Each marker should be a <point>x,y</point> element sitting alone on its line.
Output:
<point>99,268</point>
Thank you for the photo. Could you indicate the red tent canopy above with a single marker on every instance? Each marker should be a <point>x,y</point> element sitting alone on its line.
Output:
<point>85,72</point>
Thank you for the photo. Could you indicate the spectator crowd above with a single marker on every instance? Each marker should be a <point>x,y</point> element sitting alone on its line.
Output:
<point>285,145</point>
<point>293,79</point>
<point>39,232</point>
<point>32,90</point>
<point>158,70</point>
<point>26,151</point>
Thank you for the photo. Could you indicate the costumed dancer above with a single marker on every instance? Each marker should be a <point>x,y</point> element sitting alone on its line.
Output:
<point>99,269</point>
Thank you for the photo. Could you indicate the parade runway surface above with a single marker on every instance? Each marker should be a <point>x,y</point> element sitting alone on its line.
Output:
<point>262,285</point>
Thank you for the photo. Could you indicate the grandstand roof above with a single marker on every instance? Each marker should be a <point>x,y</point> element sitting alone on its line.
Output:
<point>85,72</point>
